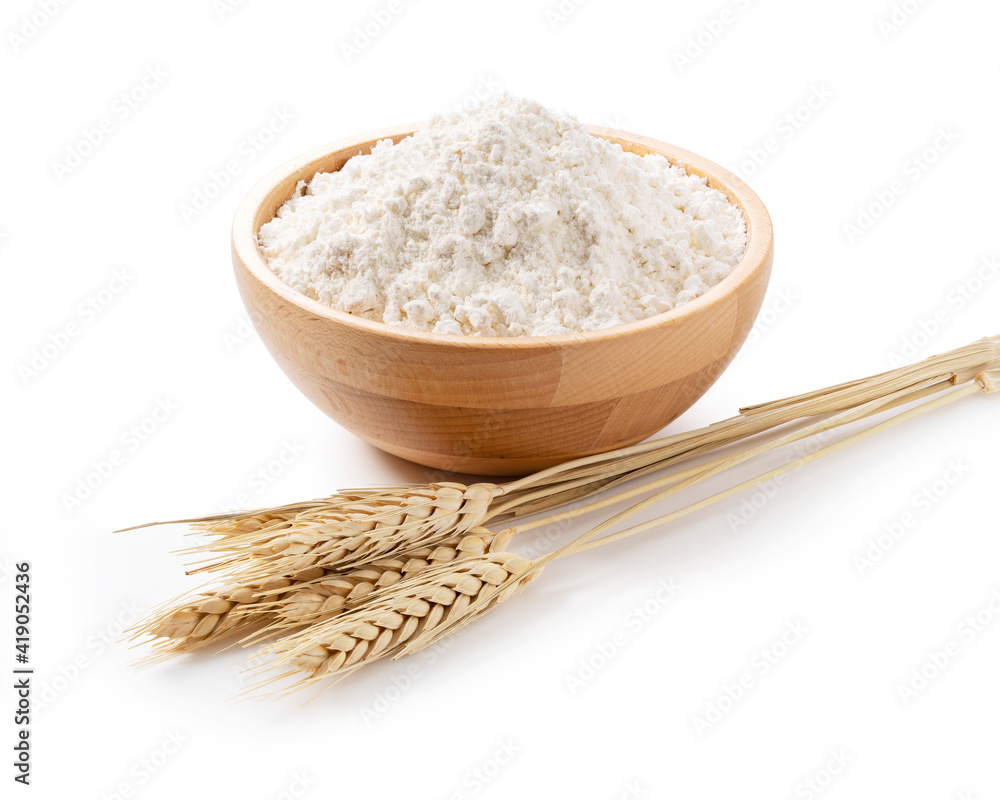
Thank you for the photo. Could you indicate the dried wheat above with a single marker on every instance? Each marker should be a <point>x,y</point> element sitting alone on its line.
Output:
<point>386,572</point>
<point>402,618</point>
<point>328,595</point>
<point>288,601</point>
<point>188,624</point>
<point>351,530</point>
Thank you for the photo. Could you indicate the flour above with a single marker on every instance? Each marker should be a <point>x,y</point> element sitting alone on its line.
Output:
<point>506,220</point>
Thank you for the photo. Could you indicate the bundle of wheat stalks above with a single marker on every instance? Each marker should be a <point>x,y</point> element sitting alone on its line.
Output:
<point>343,581</point>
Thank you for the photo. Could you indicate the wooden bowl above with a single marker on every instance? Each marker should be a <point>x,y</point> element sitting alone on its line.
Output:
<point>499,406</point>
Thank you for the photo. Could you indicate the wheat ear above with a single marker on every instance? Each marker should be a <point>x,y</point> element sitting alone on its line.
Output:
<point>331,594</point>
<point>400,619</point>
<point>190,623</point>
<point>349,532</point>
<point>282,602</point>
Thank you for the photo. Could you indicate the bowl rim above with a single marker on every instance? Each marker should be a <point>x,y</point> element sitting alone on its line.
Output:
<point>760,241</point>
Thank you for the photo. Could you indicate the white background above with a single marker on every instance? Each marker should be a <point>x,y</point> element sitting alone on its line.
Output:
<point>840,306</point>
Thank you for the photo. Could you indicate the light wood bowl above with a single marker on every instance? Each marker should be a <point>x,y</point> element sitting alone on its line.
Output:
<point>499,406</point>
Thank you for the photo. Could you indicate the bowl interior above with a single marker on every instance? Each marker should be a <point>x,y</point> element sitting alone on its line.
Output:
<point>262,204</point>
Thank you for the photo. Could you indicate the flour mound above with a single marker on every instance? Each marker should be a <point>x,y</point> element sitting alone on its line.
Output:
<point>507,220</point>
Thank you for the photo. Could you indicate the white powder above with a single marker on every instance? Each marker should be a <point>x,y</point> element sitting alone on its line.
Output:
<point>507,220</point>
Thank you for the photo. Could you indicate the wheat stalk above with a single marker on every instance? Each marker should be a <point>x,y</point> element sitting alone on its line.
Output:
<point>353,552</point>
<point>984,382</point>
<point>417,612</point>
<point>355,527</point>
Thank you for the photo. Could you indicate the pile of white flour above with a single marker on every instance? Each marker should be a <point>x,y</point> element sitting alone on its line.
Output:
<point>509,220</point>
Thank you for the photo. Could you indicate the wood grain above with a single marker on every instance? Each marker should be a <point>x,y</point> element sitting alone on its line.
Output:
<point>499,406</point>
